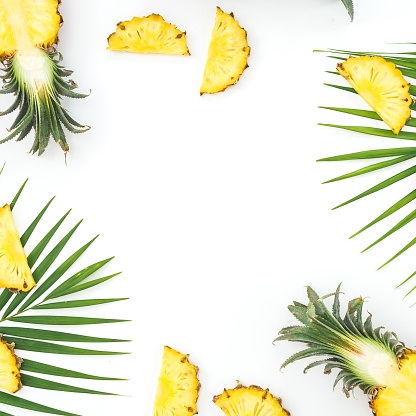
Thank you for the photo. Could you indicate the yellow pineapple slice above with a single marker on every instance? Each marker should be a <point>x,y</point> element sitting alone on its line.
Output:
<point>249,401</point>
<point>15,273</point>
<point>382,86</point>
<point>151,34</point>
<point>9,368</point>
<point>227,54</point>
<point>178,386</point>
<point>26,23</point>
<point>398,397</point>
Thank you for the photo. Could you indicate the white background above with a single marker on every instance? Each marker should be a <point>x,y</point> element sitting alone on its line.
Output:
<point>213,205</point>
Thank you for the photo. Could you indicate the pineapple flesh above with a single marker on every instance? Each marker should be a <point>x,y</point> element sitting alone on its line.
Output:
<point>15,273</point>
<point>9,368</point>
<point>33,74</point>
<point>178,386</point>
<point>227,54</point>
<point>249,401</point>
<point>151,34</point>
<point>372,359</point>
<point>382,86</point>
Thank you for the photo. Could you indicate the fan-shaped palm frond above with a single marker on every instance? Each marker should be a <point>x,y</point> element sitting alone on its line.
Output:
<point>406,62</point>
<point>53,283</point>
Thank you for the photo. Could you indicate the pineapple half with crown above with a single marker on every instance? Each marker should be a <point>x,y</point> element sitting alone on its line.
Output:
<point>15,273</point>
<point>151,34</point>
<point>9,367</point>
<point>178,386</point>
<point>382,86</point>
<point>227,54</point>
<point>28,31</point>
<point>371,359</point>
<point>249,401</point>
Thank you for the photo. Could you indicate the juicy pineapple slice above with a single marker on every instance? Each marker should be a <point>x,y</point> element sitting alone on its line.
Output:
<point>25,23</point>
<point>249,401</point>
<point>15,273</point>
<point>151,34</point>
<point>227,54</point>
<point>178,386</point>
<point>382,86</point>
<point>9,368</point>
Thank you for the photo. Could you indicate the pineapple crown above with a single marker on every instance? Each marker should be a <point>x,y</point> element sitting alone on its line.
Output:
<point>36,79</point>
<point>365,356</point>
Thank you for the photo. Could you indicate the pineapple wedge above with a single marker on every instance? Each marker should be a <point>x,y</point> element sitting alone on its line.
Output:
<point>24,23</point>
<point>9,368</point>
<point>227,54</point>
<point>15,273</point>
<point>382,86</point>
<point>151,34</point>
<point>249,401</point>
<point>178,386</point>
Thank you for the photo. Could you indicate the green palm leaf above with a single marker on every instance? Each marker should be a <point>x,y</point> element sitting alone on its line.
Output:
<point>55,285</point>
<point>406,62</point>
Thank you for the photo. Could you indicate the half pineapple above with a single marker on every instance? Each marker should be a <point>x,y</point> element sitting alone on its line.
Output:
<point>151,34</point>
<point>178,386</point>
<point>227,54</point>
<point>249,401</point>
<point>373,360</point>
<point>9,368</point>
<point>28,31</point>
<point>382,86</point>
<point>15,273</point>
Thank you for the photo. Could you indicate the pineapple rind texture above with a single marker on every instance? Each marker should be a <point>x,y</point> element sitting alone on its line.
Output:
<point>151,34</point>
<point>15,273</point>
<point>178,386</point>
<point>382,86</point>
<point>249,401</point>
<point>227,54</point>
<point>26,23</point>
<point>399,396</point>
<point>9,368</point>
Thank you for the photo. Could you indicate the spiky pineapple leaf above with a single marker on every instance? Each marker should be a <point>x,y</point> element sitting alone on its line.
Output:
<point>350,8</point>
<point>15,308</point>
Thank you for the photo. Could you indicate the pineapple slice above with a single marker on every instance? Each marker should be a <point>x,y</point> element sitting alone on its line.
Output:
<point>249,401</point>
<point>178,386</point>
<point>9,368</point>
<point>151,34</point>
<point>15,273</point>
<point>382,86</point>
<point>24,23</point>
<point>227,54</point>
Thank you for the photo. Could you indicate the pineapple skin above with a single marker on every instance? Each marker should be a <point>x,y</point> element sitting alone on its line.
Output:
<point>178,386</point>
<point>150,34</point>
<point>381,84</point>
<point>15,273</point>
<point>252,400</point>
<point>28,23</point>
<point>9,367</point>
<point>399,395</point>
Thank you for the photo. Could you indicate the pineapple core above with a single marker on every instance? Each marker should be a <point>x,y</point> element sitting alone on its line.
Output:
<point>15,273</point>
<point>178,386</point>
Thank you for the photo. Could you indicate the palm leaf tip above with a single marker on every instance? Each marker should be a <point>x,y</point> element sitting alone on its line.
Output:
<point>341,341</point>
